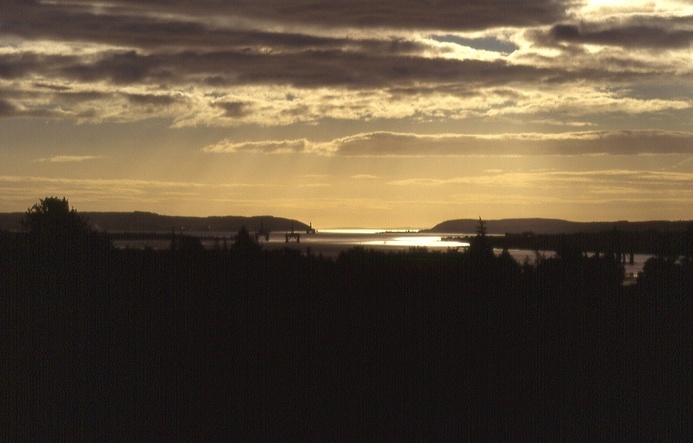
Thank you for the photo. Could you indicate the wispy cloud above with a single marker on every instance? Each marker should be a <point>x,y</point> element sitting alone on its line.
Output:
<point>32,187</point>
<point>391,144</point>
<point>365,177</point>
<point>127,194</point>
<point>618,181</point>
<point>262,147</point>
<point>314,185</point>
<point>69,158</point>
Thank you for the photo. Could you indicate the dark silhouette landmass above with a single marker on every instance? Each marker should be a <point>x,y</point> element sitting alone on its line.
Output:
<point>139,221</point>
<point>240,343</point>
<point>150,222</point>
<point>621,239</point>
<point>555,226</point>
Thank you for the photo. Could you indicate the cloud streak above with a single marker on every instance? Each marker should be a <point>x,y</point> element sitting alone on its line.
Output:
<point>439,14</point>
<point>632,31</point>
<point>390,144</point>
<point>69,158</point>
<point>600,181</point>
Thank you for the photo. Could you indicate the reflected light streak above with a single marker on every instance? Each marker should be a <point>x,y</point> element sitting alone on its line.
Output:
<point>417,241</point>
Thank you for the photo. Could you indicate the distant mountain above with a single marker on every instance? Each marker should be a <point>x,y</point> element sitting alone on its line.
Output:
<point>151,222</point>
<point>554,226</point>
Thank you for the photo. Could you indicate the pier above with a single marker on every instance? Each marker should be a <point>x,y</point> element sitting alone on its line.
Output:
<point>262,233</point>
<point>292,235</point>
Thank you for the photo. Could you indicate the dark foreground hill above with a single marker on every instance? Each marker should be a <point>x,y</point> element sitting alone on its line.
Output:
<point>555,226</point>
<point>151,222</point>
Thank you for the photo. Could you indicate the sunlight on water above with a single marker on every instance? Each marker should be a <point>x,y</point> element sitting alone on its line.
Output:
<point>363,231</point>
<point>416,241</point>
<point>385,239</point>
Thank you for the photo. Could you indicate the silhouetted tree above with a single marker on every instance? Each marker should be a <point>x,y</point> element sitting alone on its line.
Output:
<point>55,229</point>
<point>480,247</point>
<point>245,244</point>
<point>53,216</point>
<point>57,232</point>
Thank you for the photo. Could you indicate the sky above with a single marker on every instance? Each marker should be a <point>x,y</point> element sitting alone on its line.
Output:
<point>356,113</point>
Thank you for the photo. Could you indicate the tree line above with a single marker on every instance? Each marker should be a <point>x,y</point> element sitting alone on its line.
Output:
<point>195,344</point>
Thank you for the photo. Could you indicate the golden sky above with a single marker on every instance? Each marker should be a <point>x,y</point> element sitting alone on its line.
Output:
<point>353,113</point>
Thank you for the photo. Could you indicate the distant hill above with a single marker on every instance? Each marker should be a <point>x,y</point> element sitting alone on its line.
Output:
<point>151,222</point>
<point>554,226</point>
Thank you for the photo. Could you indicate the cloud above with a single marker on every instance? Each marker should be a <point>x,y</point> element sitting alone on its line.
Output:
<point>151,99</point>
<point>186,87</point>
<point>6,108</point>
<point>553,122</point>
<point>434,14</point>
<point>69,158</point>
<point>98,182</point>
<point>28,188</point>
<point>440,14</point>
<point>390,144</point>
<point>365,177</point>
<point>599,181</point>
<point>235,63</point>
<point>137,42</point>
<point>183,28</point>
<point>174,31</point>
<point>262,147</point>
<point>314,185</point>
<point>572,143</point>
<point>121,190</point>
<point>627,36</point>
<point>309,68</point>
<point>78,97</point>
<point>651,31</point>
<point>230,63</point>
<point>486,43</point>
<point>590,188</point>
<point>234,109</point>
